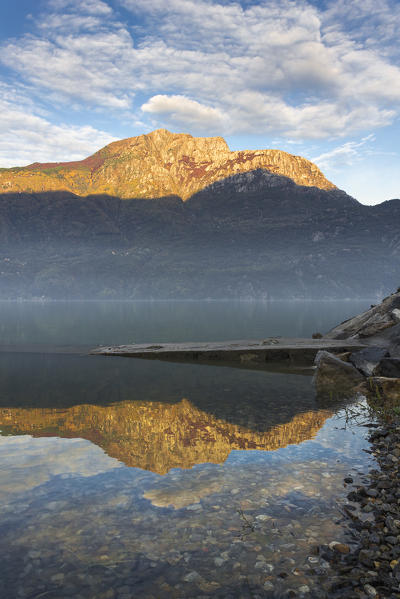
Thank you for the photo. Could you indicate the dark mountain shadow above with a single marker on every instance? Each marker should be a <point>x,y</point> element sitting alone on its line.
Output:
<point>250,235</point>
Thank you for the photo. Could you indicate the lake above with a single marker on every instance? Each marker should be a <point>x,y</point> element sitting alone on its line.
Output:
<point>124,478</point>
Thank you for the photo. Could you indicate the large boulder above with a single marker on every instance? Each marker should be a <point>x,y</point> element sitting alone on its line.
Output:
<point>391,338</point>
<point>335,377</point>
<point>366,360</point>
<point>388,367</point>
<point>373,321</point>
<point>380,325</point>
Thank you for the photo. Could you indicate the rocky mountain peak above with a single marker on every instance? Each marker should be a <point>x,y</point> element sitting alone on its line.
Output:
<point>158,164</point>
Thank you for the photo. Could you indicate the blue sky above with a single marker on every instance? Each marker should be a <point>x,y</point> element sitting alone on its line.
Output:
<point>319,79</point>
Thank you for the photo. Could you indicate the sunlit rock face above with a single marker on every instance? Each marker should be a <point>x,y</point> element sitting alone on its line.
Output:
<point>155,165</point>
<point>157,436</point>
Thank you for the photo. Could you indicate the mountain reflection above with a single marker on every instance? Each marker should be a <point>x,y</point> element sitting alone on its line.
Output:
<point>158,436</point>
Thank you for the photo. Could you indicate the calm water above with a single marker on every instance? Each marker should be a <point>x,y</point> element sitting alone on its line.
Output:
<point>124,478</point>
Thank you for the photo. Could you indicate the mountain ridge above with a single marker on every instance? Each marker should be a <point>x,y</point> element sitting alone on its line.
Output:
<point>167,225</point>
<point>158,164</point>
<point>175,435</point>
<point>252,236</point>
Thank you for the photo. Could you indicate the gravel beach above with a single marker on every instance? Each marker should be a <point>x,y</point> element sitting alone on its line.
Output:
<point>370,565</point>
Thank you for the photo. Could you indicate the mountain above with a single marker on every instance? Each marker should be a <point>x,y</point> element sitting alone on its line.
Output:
<point>158,436</point>
<point>185,218</point>
<point>156,165</point>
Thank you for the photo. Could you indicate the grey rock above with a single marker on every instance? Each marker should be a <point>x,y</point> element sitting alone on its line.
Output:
<point>366,360</point>
<point>396,571</point>
<point>374,538</point>
<point>392,524</point>
<point>218,561</point>
<point>365,556</point>
<point>372,493</point>
<point>396,315</point>
<point>367,508</point>
<point>260,566</point>
<point>304,588</point>
<point>333,375</point>
<point>389,367</point>
<point>379,323</point>
<point>392,540</point>
<point>194,507</point>
<point>192,576</point>
<point>370,590</point>
<point>384,484</point>
<point>339,547</point>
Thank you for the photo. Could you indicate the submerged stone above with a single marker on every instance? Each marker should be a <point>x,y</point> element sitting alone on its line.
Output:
<point>333,376</point>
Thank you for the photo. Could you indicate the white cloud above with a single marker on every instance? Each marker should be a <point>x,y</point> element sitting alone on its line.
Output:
<point>26,137</point>
<point>70,22</point>
<point>28,462</point>
<point>283,67</point>
<point>344,155</point>
<point>182,110</point>
<point>374,24</point>
<point>93,7</point>
<point>81,67</point>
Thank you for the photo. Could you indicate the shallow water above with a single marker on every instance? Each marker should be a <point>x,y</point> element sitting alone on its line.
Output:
<point>128,478</point>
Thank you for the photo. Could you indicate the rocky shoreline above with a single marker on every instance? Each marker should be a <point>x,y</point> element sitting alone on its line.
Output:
<point>375,368</point>
<point>370,565</point>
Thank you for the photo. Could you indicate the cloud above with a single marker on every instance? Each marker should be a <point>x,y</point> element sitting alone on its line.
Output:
<point>77,67</point>
<point>183,111</point>
<point>93,7</point>
<point>28,462</point>
<point>26,137</point>
<point>285,67</point>
<point>344,155</point>
<point>374,25</point>
<point>70,22</point>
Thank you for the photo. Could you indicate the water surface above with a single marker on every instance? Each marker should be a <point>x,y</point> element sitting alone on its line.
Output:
<point>91,323</point>
<point>124,478</point>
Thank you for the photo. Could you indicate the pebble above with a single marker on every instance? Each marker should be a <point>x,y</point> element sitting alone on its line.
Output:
<point>34,554</point>
<point>372,492</point>
<point>260,566</point>
<point>218,561</point>
<point>370,590</point>
<point>304,588</point>
<point>194,507</point>
<point>192,576</point>
<point>268,586</point>
<point>340,547</point>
